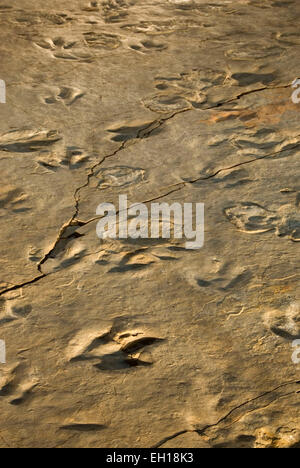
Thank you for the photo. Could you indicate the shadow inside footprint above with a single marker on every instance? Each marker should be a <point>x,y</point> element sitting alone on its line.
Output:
<point>246,79</point>
<point>126,133</point>
<point>128,356</point>
<point>83,427</point>
<point>117,361</point>
<point>284,334</point>
<point>28,141</point>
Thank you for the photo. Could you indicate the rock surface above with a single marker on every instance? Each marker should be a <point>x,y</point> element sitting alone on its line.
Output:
<point>142,343</point>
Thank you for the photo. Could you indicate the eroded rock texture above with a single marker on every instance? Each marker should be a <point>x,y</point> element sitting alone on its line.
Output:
<point>143,343</point>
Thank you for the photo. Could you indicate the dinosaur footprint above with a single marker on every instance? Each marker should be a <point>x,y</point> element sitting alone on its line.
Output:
<point>27,140</point>
<point>251,218</point>
<point>12,199</point>
<point>114,11</point>
<point>66,95</point>
<point>62,48</point>
<point>71,158</point>
<point>17,385</point>
<point>102,41</point>
<point>146,47</point>
<point>183,91</point>
<point>119,176</point>
<point>111,350</point>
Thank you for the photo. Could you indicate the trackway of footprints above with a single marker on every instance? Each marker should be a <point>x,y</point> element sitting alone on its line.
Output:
<point>247,217</point>
<point>86,47</point>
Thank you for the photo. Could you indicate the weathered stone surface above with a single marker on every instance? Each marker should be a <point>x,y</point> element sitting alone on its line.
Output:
<point>142,343</point>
